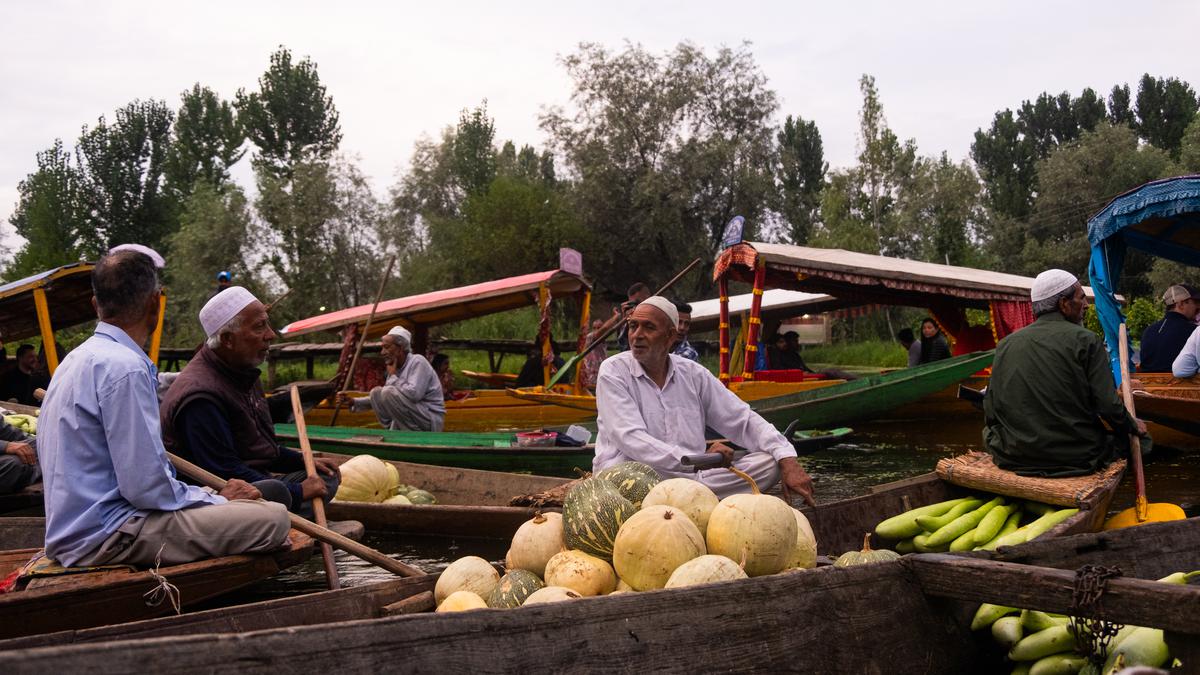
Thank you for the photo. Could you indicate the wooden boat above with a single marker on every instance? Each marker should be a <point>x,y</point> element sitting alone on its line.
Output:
<point>808,441</point>
<point>487,451</point>
<point>1168,401</point>
<point>493,380</point>
<point>906,616</point>
<point>112,596</point>
<point>747,391</point>
<point>30,497</point>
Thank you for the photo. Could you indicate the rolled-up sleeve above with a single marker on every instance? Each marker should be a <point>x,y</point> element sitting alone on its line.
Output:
<point>733,418</point>
<point>623,421</point>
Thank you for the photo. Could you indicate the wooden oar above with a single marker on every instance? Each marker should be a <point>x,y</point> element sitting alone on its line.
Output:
<point>331,573</point>
<point>307,527</point>
<point>616,326</point>
<point>337,404</point>
<point>1142,511</point>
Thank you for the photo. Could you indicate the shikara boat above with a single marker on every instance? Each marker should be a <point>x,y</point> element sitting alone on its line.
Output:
<point>751,392</point>
<point>906,616</point>
<point>84,600</point>
<point>488,451</point>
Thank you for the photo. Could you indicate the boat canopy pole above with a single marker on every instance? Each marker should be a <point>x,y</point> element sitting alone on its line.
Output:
<point>755,323</point>
<point>585,307</point>
<point>544,331</point>
<point>43,317</point>
<point>156,337</point>
<point>723,328</point>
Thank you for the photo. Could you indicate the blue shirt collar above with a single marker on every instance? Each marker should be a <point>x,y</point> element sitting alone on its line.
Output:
<point>122,338</point>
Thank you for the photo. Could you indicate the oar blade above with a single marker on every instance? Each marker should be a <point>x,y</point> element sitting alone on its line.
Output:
<point>1155,513</point>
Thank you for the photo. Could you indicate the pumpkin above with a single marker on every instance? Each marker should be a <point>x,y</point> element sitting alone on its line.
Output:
<point>403,489</point>
<point>550,594</point>
<point>393,474</point>
<point>421,497</point>
<point>513,588</point>
<point>461,600</point>
<point>652,543</point>
<point>367,479</point>
<point>692,497</point>
<point>706,569</point>
<point>585,574</point>
<point>592,514</point>
<point>471,573</point>
<point>398,499</point>
<point>535,543</point>
<point>758,529</point>
<point>623,587</point>
<point>866,556</point>
<point>633,480</point>
<point>804,554</point>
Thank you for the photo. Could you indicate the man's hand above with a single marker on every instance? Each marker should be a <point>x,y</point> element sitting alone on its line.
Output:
<point>326,466</point>
<point>1141,427</point>
<point>724,450</point>
<point>344,400</point>
<point>795,479</point>
<point>390,366</point>
<point>23,451</point>
<point>235,488</point>
<point>313,486</point>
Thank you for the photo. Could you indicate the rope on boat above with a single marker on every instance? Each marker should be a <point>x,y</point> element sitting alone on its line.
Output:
<point>164,590</point>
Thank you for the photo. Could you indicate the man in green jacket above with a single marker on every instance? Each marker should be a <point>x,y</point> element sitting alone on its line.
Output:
<point>1051,408</point>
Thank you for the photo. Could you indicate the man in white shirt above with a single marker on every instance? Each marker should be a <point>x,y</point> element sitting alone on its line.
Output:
<point>411,398</point>
<point>653,408</point>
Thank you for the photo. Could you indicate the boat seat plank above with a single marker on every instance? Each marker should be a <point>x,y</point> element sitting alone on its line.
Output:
<point>421,602</point>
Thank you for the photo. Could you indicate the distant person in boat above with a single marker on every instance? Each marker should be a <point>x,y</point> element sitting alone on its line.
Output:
<point>215,414</point>
<point>19,383</point>
<point>1163,340</point>
<point>533,373</point>
<point>411,397</point>
<point>591,362</point>
<point>1051,401</point>
<point>653,407</point>
<point>111,495</point>
<point>682,347</point>
<point>441,366</point>
<point>636,294</point>
<point>934,346</point>
<point>18,459</point>
<point>911,346</point>
<point>787,357</point>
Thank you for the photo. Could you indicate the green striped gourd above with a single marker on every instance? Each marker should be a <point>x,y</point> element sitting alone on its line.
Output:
<point>593,512</point>
<point>513,588</point>
<point>633,480</point>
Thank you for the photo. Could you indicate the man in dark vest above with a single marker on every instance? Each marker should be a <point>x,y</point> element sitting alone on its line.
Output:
<point>215,413</point>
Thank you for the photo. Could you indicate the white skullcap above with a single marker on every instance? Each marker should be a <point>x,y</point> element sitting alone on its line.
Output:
<point>401,333</point>
<point>665,306</point>
<point>224,306</point>
<point>146,250</point>
<point>1050,283</point>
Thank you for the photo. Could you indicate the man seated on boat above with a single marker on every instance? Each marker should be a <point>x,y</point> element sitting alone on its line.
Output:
<point>533,371</point>
<point>1051,393</point>
<point>653,407</point>
<point>215,414</point>
<point>911,346</point>
<point>111,495</point>
<point>1163,340</point>
<point>682,346</point>
<point>20,383</point>
<point>411,398</point>
<point>18,459</point>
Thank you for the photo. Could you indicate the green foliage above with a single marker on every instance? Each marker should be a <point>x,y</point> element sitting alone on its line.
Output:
<point>1165,107</point>
<point>1141,313</point>
<point>1189,147</point>
<point>1091,321</point>
<point>875,353</point>
<point>49,215</point>
<point>207,142</point>
<point>800,176</point>
<point>290,118</point>
<point>474,156</point>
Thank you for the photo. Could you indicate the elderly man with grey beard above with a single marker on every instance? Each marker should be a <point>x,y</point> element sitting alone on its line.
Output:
<point>411,397</point>
<point>653,406</point>
<point>215,413</point>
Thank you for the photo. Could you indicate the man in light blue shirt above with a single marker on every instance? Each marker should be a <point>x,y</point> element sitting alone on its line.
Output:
<point>111,494</point>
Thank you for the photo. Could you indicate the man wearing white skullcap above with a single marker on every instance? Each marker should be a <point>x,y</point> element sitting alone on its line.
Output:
<point>653,406</point>
<point>411,397</point>
<point>111,496</point>
<point>215,414</point>
<point>1052,394</point>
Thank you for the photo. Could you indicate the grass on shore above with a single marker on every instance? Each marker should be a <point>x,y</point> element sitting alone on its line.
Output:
<point>873,354</point>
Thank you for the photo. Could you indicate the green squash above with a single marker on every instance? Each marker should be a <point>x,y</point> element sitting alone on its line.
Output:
<point>593,512</point>
<point>513,588</point>
<point>632,479</point>
<point>421,497</point>
<point>866,556</point>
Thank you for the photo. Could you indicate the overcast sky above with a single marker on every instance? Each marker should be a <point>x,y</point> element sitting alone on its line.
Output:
<point>397,70</point>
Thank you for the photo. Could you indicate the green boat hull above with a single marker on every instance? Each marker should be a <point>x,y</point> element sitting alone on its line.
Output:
<point>869,397</point>
<point>496,451</point>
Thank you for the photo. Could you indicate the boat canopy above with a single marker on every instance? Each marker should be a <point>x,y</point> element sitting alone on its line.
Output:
<point>1161,218</point>
<point>776,304</point>
<point>66,292</point>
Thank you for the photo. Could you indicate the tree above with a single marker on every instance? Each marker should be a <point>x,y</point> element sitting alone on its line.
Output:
<point>1165,107</point>
<point>290,118</point>
<point>1120,111</point>
<point>121,166</point>
<point>50,214</point>
<point>944,211</point>
<point>1189,147</point>
<point>474,155</point>
<point>207,142</point>
<point>801,176</point>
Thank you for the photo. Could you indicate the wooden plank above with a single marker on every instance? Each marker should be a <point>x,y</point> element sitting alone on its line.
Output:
<point>22,532</point>
<point>1138,602</point>
<point>829,620</point>
<point>492,522</point>
<point>422,602</point>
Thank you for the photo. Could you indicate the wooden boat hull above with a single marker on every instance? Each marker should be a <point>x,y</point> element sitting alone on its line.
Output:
<point>1177,408</point>
<point>871,396</point>
<point>747,391</point>
<point>465,451</point>
<point>483,410</point>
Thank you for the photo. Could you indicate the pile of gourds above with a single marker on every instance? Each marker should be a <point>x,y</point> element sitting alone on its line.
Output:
<point>1044,644</point>
<point>970,524</point>
<point>366,478</point>
<point>26,423</point>
<point>625,530</point>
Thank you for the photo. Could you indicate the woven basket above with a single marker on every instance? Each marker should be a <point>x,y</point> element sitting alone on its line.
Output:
<point>975,470</point>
